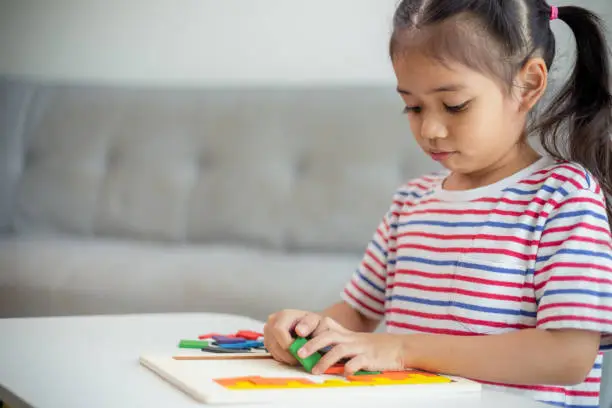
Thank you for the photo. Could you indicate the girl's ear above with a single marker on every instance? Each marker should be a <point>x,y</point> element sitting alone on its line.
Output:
<point>531,83</point>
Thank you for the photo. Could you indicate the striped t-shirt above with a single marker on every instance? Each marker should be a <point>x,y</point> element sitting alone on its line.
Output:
<point>531,251</point>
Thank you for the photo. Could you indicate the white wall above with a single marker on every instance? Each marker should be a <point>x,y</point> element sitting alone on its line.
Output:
<point>205,41</point>
<point>198,41</point>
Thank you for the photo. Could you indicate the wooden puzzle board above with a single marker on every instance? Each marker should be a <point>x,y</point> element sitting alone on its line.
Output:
<point>201,380</point>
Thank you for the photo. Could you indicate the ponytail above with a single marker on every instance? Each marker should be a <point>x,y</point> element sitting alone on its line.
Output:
<point>584,105</point>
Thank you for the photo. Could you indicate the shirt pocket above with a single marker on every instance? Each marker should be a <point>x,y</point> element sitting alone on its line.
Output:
<point>488,296</point>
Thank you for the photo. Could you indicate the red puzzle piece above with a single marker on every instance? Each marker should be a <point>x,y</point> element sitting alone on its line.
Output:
<point>208,336</point>
<point>249,335</point>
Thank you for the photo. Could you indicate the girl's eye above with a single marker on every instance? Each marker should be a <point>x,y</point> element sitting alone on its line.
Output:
<point>412,109</point>
<point>457,108</point>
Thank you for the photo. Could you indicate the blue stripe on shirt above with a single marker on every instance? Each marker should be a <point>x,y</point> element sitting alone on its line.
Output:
<point>409,194</point>
<point>369,282</point>
<point>380,249</point>
<point>581,213</point>
<point>469,265</point>
<point>504,225</point>
<point>443,303</point>
<point>576,252</point>
<point>546,188</point>
<point>577,292</point>
<point>565,405</point>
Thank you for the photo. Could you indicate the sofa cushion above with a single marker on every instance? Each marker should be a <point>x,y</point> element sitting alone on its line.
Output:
<point>57,276</point>
<point>289,169</point>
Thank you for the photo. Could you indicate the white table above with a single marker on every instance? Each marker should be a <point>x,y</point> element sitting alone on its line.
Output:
<point>92,361</point>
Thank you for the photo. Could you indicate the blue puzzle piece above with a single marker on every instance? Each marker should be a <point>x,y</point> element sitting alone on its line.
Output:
<point>244,345</point>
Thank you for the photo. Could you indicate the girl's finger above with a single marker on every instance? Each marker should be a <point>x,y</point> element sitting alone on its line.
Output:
<point>337,353</point>
<point>281,355</point>
<point>319,342</point>
<point>355,364</point>
<point>308,324</point>
<point>283,326</point>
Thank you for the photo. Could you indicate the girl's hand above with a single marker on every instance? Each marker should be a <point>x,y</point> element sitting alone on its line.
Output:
<point>364,351</point>
<point>281,327</point>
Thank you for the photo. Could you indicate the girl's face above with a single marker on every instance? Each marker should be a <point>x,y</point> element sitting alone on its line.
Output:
<point>460,117</point>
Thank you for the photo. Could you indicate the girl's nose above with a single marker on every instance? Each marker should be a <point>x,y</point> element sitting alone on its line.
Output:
<point>432,128</point>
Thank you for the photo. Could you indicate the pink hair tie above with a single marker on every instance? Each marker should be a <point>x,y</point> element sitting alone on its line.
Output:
<point>554,13</point>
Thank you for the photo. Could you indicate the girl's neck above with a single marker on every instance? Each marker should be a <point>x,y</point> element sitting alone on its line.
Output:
<point>516,160</point>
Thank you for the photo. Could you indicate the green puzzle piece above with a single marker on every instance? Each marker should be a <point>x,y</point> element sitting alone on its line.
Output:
<point>309,362</point>
<point>363,372</point>
<point>197,344</point>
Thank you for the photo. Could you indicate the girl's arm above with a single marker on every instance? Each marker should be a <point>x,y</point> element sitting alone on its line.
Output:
<point>530,356</point>
<point>350,318</point>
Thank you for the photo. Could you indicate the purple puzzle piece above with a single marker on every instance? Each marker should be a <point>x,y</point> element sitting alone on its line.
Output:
<point>227,340</point>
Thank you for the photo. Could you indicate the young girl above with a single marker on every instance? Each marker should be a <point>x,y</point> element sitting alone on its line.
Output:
<point>499,268</point>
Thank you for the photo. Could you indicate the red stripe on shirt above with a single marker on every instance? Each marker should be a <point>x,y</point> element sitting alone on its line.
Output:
<point>418,185</point>
<point>362,304</point>
<point>572,265</point>
<point>479,322</point>
<point>454,237</point>
<point>573,279</point>
<point>372,271</point>
<point>387,228</point>
<point>577,238</point>
<point>574,227</point>
<point>464,212</point>
<point>461,278</point>
<point>574,319</point>
<point>472,293</point>
<point>374,258</point>
<point>366,294</point>
<point>544,388</point>
<point>567,167</point>
<point>553,176</point>
<point>425,329</point>
<point>474,250</point>
<point>574,304</point>
<point>382,235</point>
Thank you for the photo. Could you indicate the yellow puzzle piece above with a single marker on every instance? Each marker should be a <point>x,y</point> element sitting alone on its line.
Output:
<point>385,378</point>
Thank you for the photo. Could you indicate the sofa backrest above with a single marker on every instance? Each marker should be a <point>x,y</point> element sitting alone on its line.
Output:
<point>292,169</point>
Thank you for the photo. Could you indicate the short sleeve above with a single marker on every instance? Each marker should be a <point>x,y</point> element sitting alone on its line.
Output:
<point>573,269</point>
<point>366,290</point>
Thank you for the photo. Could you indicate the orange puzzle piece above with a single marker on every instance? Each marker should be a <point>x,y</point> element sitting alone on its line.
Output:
<point>279,381</point>
<point>335,370</point>
<point>385,378</point>
<point>232,381</point>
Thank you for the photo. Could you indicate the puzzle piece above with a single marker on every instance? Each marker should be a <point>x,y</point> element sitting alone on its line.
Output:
<point>403,377</point>
<point>334,384</point>
<point>198,344</point>
<point>208,336</point>
<point>309,362</point>
<point>384,379</point>
<point>335,370</point>
<point>232,381</point>
<point>227,340</point>
<point>364,372</point>
<point>280,381</point>
<point>244,345</point>
<point>249,335</point>
<point>220,350</point>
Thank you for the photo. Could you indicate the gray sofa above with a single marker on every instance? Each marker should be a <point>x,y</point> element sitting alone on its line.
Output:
<point>120,200</point>
<point>126,200</point>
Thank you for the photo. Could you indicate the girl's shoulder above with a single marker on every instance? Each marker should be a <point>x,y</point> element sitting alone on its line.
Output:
<point>567,177</point>
<point>419,187</point>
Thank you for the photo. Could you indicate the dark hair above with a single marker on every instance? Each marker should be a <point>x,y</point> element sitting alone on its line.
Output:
<point>503,35</point>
